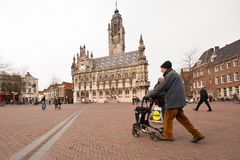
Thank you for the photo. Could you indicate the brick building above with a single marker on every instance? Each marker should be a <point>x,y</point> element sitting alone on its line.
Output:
<point>218,70</point>
<point>64,91</point>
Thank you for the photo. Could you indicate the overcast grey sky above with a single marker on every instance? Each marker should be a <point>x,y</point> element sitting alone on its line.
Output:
<point>44,35</point>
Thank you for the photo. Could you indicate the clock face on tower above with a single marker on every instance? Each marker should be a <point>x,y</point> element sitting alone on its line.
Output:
<point>82,66</point>
<point>115,39</point>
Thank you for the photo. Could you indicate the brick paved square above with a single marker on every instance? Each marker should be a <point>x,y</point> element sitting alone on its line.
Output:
<point>21,124</point>
<point>103,132</point>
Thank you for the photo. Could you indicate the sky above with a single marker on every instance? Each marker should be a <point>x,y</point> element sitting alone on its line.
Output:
<point>42,36</point>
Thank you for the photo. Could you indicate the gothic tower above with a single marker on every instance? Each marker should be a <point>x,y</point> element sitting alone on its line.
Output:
<point>116,35</point>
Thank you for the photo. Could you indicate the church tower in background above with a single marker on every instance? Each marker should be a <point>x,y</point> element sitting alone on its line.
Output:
<point>116,34</point>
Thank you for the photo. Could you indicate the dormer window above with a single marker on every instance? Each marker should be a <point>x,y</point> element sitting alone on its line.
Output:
<point>213,57</point>
<point>199,62</point>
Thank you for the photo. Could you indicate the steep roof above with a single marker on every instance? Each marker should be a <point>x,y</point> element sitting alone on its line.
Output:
<point>67,85</point>
<point>28,75</point>
<point>129,58</point>
<point>205,58</point>
<point>228,51</point>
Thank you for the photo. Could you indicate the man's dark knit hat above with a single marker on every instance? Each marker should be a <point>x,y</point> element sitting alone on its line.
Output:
<point>167,65</point>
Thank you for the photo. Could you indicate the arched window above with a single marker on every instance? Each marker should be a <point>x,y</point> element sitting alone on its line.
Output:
<point>126,75</point>
<point>120,91</point>
<point>134,75</point>
<point>134,91</point>
<point>127,93</point>
<point>87,94</point>
<point>112,76</point>
<point>119,76</point>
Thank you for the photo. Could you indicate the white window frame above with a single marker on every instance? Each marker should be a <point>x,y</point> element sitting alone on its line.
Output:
<point>222,67</point>
<point>235,62</point>
<point>216,68</point>
<point>222,79</point>
<point>229,63</point>
<point>236,76</point>
<point>229,77</point>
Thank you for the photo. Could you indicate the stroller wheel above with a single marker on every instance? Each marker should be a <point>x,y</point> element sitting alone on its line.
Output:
<point>161,130</point>
<point>153,136</point>
<point>135,132</point>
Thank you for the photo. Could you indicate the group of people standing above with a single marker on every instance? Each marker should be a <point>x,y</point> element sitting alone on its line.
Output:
<point>57,103</point>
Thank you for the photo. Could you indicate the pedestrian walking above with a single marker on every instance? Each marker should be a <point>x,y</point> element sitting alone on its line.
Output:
<point>55,101</point>
<point>43,101</point>
<point>203,98</point>
<point>59,103</point>
<point>174,103</point>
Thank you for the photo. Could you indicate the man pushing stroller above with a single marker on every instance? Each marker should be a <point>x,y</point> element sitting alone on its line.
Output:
<point>175,101</point>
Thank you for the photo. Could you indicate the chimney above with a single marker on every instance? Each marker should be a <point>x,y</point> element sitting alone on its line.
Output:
<point>216,49</point>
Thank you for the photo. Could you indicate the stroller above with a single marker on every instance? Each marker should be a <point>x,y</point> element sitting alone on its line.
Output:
<point>142,115</point>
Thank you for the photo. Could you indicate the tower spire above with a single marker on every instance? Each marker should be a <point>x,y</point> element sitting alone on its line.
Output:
<point>141,47</point>
<point>141,40</point>
<point>116,10</point>
<point>116,34</point>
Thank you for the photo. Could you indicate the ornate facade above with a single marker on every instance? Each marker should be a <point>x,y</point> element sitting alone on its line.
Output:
<point>119,76</point>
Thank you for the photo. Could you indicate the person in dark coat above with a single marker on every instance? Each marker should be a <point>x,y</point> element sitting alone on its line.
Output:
<point>59,103</point>
<point>174,102</point>
<point>203,98</point>
<point>43,101</point>
<point>55,101</point>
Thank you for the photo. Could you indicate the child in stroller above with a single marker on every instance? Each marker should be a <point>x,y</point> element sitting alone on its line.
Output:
<point>142,115</point>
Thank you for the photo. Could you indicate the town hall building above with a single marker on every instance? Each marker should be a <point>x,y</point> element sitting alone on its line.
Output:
<point>119,77</point>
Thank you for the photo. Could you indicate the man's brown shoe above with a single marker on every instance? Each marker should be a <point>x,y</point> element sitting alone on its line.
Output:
<point>197,139</point>
<point>166,139</point>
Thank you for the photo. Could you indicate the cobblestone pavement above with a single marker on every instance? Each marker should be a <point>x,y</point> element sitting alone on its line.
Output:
<point>103,132</point>
<point>21,124</point>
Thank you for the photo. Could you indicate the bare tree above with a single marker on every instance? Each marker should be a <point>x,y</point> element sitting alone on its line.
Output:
<point>189,58</point>
<point>4,67</point>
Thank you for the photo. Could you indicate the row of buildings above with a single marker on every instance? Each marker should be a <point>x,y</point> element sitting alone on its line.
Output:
<point>15,88</point>
<point>64,91</point>
<point>217,69</point>
<point>121,75</point>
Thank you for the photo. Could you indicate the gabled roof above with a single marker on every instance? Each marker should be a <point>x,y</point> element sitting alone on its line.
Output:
<point>206,56</point>
<point>129,58</point>
<point>222,54</point>
<point>28,75</point>
<point>67,85</point>
<point>228,51</point>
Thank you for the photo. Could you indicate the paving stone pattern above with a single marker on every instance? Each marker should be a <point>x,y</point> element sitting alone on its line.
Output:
<point>103,132</point>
